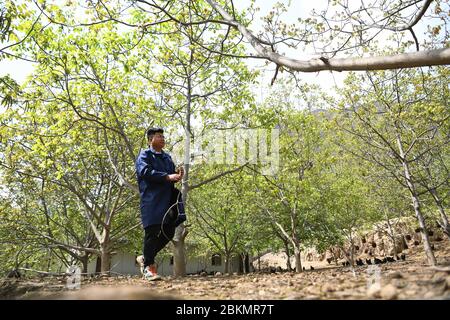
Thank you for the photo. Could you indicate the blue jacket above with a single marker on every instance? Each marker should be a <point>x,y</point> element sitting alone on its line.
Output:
<point>157,194</point>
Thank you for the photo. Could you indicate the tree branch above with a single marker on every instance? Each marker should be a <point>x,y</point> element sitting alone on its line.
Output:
<point>397,61</point>
<point>216,177</point>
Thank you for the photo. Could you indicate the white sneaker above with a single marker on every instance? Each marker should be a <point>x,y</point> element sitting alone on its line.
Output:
<point>150,273</point>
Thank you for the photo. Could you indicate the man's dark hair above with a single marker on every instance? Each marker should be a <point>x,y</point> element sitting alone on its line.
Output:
<point>151,132</point>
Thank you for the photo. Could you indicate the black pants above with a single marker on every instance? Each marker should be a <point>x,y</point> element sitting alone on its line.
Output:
<point>155,240</point>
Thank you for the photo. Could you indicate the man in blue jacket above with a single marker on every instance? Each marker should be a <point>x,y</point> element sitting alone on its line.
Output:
<point>161,204</point>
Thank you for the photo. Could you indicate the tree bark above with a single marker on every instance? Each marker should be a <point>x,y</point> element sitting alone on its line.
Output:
<point>288,255</point>
<point>106,260</point>
<point>242,261</point>
<point>444,225</point>
<point>181,232</point>
<point>259,262</point>
<point>391,234</point>
<point>298,261</point>
<point>105,248</point>
<point>227,263</point>
<point>84,262</point>
<point>417,207</point>
<point>247,263</point>
<point>352,250</point>
<point>179,255</point>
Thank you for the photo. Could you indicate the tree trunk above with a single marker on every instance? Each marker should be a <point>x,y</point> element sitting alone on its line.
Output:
<point>179,263</point>
<point>288,254</point>
<point>227,263</point>
<point>444,225</point>
<point>179,253</point>
<point>247,262</point>
<point>352,250</point>
<point>417,208</point>
<point>98,265</point>
<point>298,261</point>
<point>391,234</point>
<point>259,262</point>
<point>105,248</point>
<point>106,260</point>
<point>426,241</point>
<point>84,262</point>
<point>49,260</point>
<point>244,259</point>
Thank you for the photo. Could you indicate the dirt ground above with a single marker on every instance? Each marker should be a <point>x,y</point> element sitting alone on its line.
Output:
<point>410,279</point>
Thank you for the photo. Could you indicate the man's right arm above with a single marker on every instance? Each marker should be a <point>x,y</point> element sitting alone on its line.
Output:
<point>145,171</point>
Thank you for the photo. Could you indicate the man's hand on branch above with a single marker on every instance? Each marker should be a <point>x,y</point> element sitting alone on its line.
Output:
<point>180,171</point>
<point>173,177</point>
